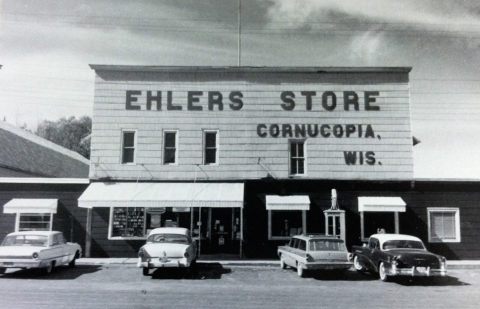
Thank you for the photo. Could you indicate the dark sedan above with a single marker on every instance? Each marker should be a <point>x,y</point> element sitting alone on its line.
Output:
<point>392,255</point>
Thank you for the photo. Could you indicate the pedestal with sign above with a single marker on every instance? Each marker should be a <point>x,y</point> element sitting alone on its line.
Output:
<point>335,219</point>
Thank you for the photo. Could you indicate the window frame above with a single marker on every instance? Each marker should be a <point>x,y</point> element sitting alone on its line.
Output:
<point>290,157</point>
<point>204,146</point>
<point>270,232</point>
<point>122,147</point>
<point>454,210</point>
<point>164,147</point>
<point>18,219</point>
<point>110,226</point>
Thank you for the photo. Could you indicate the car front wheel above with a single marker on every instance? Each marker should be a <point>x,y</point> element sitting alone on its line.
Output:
<point>282,263</point>
<point>300,270</point>
<point>2,270</point>
<point>145,271</point>
<point>49,269</point>
<point>382,272</point>
<point>357,264</point>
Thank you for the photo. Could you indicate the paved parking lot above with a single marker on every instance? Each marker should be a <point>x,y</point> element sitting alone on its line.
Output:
<point>217,286</point>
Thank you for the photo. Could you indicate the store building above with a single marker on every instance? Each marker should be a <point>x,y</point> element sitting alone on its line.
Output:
<point>40,183</point>
<point>246,157</point>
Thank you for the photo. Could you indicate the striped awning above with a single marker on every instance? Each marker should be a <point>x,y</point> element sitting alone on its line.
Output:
<point>152,195</point>
<point>289,202</point>
<point>381,203</point>
<point>31,205</point>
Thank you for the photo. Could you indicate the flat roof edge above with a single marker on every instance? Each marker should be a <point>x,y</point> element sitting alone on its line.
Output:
<point>246,69</point>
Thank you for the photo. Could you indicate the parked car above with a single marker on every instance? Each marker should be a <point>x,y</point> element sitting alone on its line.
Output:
<point>314,252</point>
<point>37,249</point>
<point>392,255</point>
<point>167,247</point>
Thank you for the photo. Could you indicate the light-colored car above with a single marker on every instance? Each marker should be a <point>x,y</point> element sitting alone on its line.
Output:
<point>167,247</point>
<point>37,249</point>
<point>314,252</point>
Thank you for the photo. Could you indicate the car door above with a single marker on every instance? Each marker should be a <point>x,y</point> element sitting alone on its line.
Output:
<point>292,251</point>
<point>376,253</point>
<point>372,253</point>
<point>56,250</point>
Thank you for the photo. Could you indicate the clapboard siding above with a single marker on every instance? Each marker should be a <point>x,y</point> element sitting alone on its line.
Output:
<point>240,146</point>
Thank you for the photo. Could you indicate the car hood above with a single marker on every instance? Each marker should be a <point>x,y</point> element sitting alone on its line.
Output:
<point>169,250</point>
<point>19,250</point>
<point>416,257</point>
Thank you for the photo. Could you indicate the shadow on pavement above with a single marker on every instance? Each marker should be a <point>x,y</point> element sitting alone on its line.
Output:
<point>346,275</point>
<point>59,273</point>
<point>433,281</point>
<point>201,271</point>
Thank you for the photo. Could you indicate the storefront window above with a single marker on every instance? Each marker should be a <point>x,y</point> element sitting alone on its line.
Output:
<point>127,222</point>
<point>444,225</point>
<point>284,224</point>
<point>34,222</point>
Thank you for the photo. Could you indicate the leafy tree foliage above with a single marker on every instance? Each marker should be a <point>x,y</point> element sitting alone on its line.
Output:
<point>71,133</point>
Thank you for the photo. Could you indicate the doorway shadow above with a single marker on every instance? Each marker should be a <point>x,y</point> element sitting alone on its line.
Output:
<point>59,273</point>
<point>202,271</point>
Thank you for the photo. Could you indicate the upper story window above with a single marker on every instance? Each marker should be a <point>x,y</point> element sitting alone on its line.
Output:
<point>128,147</point>
<point>443,224</point>
<point>297,157</point>
<point>210,144</point>
<point>170,147</point>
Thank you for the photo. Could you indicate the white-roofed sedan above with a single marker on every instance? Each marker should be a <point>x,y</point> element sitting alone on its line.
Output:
<point>167,247</point>
<point>37,249</point>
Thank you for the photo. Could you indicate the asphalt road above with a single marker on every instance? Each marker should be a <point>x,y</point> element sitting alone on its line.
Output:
<point>214,286</point>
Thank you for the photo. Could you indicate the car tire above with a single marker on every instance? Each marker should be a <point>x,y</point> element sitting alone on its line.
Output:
<point>145,271</point>
<point>2,270</point>
<point>49,269</point>
<point>357,264</point>
<point>282,263</point>
<point>73,262</point>
<point>300,270</point>
<point>382,273</point>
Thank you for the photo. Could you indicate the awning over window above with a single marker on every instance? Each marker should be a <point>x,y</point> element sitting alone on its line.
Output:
<point>289,202</point>
<point>31,205</point>
<point>381,204</point>
<point>123,194</point>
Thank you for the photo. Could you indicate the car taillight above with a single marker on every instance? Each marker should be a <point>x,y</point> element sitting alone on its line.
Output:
<point>35,255</point>
<point>309,258</point>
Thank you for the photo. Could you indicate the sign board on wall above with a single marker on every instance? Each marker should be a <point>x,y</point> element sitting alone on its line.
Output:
<point>356,125</point>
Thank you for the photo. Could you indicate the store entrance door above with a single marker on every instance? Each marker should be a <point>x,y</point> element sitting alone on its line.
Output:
<point>218,230</point>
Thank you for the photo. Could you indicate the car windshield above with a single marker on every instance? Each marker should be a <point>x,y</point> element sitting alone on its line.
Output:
<point>25,240</point>
<point>403,244</point>
<point>168,238</point>
<point>327,245</point>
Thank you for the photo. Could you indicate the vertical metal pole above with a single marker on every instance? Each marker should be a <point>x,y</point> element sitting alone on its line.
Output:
<point>191,220</point>
<point>397,223</point>
<point>88,233</point>
<point>239,32</point>
<point>199,230</point>
<point>241,232</point>
<point>362,228</point>
<point>304,222</point>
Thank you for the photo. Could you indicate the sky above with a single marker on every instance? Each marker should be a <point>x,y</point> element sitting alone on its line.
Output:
<point>46,46</point>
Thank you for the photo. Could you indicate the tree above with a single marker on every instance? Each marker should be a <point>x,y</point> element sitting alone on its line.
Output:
<point>71,133</point>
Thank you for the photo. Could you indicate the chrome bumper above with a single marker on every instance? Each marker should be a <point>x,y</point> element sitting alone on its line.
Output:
<point>415,271</point>
<point>163,263</point>
<point>327,265</point>
<point>22,263</point>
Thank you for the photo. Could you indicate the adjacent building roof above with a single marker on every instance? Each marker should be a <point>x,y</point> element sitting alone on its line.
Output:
<point>24,154</point>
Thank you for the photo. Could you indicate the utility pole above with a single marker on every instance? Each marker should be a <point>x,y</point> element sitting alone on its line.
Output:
<point>239,32</point>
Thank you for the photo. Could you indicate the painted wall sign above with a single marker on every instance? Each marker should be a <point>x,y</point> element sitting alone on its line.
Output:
<point>354,125</point>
